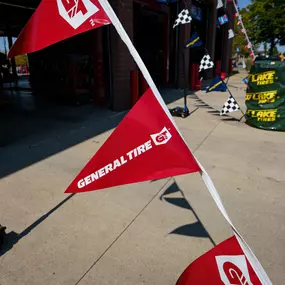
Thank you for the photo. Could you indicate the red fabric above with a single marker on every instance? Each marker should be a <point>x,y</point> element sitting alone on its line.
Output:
<point>56,20</point>
<point>145,146</point>
<point>224,264</point>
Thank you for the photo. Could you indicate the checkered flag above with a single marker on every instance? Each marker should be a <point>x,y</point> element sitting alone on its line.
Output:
<point>206,63</point>
<point>230,105</point>
<point>183,18</point>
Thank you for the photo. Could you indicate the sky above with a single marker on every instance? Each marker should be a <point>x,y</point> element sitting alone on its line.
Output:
<point>244,3</point>
<point>241,4</point>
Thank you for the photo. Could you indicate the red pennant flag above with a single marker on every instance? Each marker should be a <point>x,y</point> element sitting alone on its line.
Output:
<point>56,20</point>
<point>145,146</point>
<point>224,264</point>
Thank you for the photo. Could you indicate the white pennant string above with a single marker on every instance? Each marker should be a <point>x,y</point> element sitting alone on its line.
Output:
<point>125,38</point>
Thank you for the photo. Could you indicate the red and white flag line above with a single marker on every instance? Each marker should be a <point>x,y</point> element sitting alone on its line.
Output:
<point>144,148</point>
<point>244,29</point>
<point>210,185</point>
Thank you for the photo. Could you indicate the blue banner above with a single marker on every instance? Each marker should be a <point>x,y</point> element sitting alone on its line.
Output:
<point>194,41</point>
<point>223,19</point>
<point>217,85</point>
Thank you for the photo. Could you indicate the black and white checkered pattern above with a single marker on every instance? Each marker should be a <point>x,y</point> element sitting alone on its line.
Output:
<point>183,18</point>
<point>206,63</point>
<point>230,105</point>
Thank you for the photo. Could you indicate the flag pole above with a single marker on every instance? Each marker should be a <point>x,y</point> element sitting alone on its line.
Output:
<point>241,117</point>
<point>185,80</point>
<point>178,111</point>
<point>233,97</point>
<point>186,111</point>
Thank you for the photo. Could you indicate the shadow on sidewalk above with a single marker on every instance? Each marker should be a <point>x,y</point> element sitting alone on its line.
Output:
<point>29,137</point>
<point>196,229</point>
<point>12,238</point>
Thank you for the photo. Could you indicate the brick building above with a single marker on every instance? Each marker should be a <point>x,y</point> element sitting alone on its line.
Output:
<point>97,63</point>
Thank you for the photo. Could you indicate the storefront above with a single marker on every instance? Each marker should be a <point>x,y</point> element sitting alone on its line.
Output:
<point>96,66</point>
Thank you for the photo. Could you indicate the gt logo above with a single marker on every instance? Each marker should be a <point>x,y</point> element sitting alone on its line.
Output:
<point>233,270</point>
<point>76,12</point>
<point>162,137</point>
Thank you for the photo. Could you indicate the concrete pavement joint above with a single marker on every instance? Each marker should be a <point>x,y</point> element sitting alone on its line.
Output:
<point>125,229</point>
<point>140,212</point>
<point>207,136</point>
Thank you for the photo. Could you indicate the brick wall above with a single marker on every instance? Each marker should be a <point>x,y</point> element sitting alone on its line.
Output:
<point>122,62</point>
<point>183,66</point>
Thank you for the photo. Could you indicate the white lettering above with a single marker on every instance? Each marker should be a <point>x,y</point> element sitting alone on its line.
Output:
<point>158,139</point>
<point>108,168</point>
<point>116,164</point>
<point>141,149</point>
<point>123,161</point>
<point>101,172</point>
<point>94,176</point>
<point>81,183</point>
<point>148,145</point>
<point>130,155</point>
<point>92,22</point>
<point>87,180</point>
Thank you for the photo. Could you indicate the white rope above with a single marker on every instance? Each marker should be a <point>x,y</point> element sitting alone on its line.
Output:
<point>260,272</point>
<point>207,180</point>
<point>17,6</point>
<point>245,32</point>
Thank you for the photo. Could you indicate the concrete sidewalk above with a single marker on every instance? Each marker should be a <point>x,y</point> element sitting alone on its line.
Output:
<point>237,89</point>
<point>144,233</point>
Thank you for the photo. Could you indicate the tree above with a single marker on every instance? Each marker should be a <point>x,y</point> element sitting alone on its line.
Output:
<point>240,39</point>
<point>275,51</point>
<point>265,22</point>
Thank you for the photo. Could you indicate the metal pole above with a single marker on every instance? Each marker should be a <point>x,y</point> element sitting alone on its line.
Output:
<point>17,6</point>
<point>185,80</point>
<point>233,96</point>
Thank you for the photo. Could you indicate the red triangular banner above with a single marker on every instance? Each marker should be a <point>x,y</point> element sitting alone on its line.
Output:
<point>225,264</point>
<point>145,146</point>
<point>56,20</point>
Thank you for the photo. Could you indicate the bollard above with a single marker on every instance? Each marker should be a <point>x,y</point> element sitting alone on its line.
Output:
<point>195,83</point>
<point>218,67</point>
<point>2,235</point>
<point>143,85</point>
<point>134,87</point>
<point>223,75</point>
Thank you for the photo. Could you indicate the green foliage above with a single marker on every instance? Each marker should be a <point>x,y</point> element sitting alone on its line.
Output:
<point>265,22</point>
<point>275,51</point>
<point>239,41</point>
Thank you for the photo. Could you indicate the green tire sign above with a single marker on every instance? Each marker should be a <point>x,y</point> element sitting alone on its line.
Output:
<point>265,95</point>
